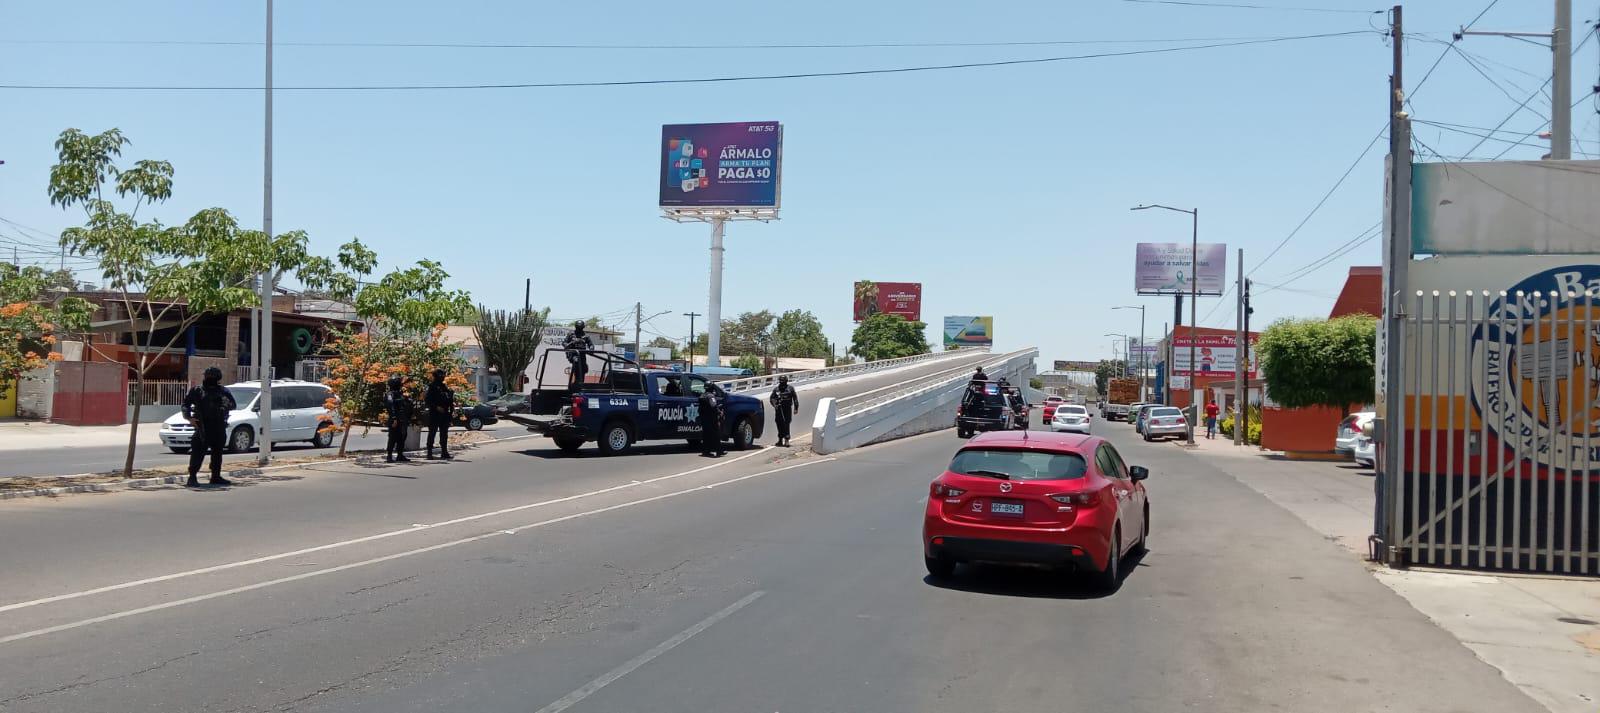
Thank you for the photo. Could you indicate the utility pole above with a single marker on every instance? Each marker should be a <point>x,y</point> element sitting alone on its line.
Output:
<point>527,294</point>
<point>266,276</point>
<point>638,319</point>
<point>1561,84</point>
<point>1240,360</point>
<point>691,316</point>
<point>1194,301</point>
<point>1396,259</point>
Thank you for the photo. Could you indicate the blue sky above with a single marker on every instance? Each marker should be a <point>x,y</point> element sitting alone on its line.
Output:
<point>1003,190</point>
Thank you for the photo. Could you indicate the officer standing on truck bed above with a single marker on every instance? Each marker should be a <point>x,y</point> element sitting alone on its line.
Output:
<point>576,344</point>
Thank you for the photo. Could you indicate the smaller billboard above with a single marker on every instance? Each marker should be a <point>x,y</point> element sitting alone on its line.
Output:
<point>901,298</point>
<point>1167,269</point>
<point>1061,365</point>
<point>1218,354</point>
<point>968,332</point>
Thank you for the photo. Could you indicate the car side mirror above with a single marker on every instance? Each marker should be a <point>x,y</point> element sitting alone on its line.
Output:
<point>256,408</point>
<point>1138,472</point>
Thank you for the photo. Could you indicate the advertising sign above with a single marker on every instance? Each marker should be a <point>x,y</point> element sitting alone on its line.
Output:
<point>902,298</point>
<point>1166,269</point>
<point>1217,353</point>
<point>1504,207</point>
<point>735,165</point>
<point>968,332</point>
<point>1076,365</point>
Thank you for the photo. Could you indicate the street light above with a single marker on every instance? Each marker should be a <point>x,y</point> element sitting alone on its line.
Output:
<point>1127,354</point>
<point>1142,365</point>
<point>1194,292</point>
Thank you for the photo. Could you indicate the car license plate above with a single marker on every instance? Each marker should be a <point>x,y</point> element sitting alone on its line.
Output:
<point>1001,507</point>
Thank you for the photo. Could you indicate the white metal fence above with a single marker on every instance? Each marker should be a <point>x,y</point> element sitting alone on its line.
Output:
<point>1499,416</point>
<point>157,393</point>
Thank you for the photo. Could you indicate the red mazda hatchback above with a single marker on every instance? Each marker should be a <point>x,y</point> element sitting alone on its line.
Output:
<point>1025,497</point>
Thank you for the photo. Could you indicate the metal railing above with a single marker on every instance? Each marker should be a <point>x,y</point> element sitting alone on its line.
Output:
<point>867,399</point>
<point>157,393</point>
<point>1498,414</point>
<point>757,383</point>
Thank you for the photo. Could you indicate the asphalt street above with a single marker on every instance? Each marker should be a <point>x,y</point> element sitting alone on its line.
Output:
<point>516,579</point>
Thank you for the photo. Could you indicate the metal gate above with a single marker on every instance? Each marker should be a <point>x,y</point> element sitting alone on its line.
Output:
<point>1500,419</point>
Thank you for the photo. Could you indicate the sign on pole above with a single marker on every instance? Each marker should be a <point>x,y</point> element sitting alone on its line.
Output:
<point>968,332</point>
<point>735,165</point>
<point>902,298</point>
<point>1167,269</point>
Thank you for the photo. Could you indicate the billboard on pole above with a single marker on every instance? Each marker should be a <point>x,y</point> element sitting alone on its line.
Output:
<point>736,165</point>
<point>1217,354</point>
<point>902,298</point>
<point>968,332</point>
<point>1167,268</point>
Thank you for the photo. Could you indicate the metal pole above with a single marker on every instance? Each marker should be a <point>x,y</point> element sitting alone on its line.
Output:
<point>1194,298</point>
<point>1241,358</point>
<point>1141,353</point>
<point>1396,258</point>
<point>714,309</point>
<point>1561,84</point>
<point>691,316</point>
<point>266,278</point>
<point>638,348</point>
<point>527,294</point>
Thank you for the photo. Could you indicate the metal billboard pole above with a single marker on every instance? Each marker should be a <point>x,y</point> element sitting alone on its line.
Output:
<point>265,328</point>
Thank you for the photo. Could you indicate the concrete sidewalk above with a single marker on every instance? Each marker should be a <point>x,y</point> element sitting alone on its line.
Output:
<point>32,435</point>
<point>1542,632</point>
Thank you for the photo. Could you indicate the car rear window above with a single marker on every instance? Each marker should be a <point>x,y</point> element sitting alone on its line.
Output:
<point>1019,465</point>
<point>1170,411</point>
<point>1077,410</point>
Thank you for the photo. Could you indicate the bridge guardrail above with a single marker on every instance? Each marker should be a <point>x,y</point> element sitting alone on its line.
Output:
<point>757,383</point>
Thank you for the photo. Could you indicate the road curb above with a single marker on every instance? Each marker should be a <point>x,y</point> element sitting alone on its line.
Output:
<point>241,473</point>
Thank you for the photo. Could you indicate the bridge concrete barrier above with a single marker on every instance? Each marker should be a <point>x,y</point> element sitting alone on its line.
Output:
<point>927,403</point>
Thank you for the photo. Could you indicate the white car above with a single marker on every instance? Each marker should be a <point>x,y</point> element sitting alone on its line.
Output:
<point>1364,451</point>
<point>1350,429</point>
<point>1070,417</point>
<point>298,414</point>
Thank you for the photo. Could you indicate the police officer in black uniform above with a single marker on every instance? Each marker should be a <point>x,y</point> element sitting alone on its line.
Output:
<point>400,409</point>
<point>711,403</point>
<point>441,403</point>
<point>207,407</point>
<point>576,344</point>
<point>785,402</point>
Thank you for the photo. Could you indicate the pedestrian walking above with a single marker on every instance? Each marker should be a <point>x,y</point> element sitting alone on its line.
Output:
<point>1211,419</point>
<point>207,407</point>
<point>441,404</point>
<point>785,403</point>
<point>399,408</point>
<point>711,405</point>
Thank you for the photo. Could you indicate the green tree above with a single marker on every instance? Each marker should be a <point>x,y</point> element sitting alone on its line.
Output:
<point>888,336</point>
<point>34,311</point>
<point>1319,362</point>
<point>798,333</point>
<point>510,339</point>
<point>751,362</point>
<point>165,278</point>
<point>746,333</point>
<point>1107,370</point>
<point>1036,383</point>
<point>665,343</point>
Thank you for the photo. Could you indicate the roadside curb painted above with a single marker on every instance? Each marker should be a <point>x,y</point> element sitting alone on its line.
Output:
<point>241,473</point>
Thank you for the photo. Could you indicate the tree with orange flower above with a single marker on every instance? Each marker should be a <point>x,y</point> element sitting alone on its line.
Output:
<point>359,374</point>
<point>32,319</point>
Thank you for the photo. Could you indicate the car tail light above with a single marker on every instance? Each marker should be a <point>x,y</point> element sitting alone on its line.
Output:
<point>1082,499</point>
<point>940,490</point>
<point>577,407</point>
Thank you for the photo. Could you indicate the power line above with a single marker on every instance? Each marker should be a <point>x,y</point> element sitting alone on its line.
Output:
<point>690,80</point>
<point>674,47</point>
<point>1501,191</point>
<point>1324,199</point>
<point>1246,6</point>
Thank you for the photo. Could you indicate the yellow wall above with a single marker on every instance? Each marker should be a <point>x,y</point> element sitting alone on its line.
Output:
<point>8,403</point>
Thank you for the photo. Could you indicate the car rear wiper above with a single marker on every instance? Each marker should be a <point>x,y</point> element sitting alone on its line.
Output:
<point>992,473</point>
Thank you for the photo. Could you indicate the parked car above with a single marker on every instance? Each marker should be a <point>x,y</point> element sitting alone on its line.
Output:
<point>1052,499</point>
<point>474,417</point>
<point>1350,429</point>
<point>1072,418</point>
<point>299,413</point>
<point>1164,422</point>
<point>984,407</point>
<point>507,404</point>
<point>1138,415</point>
<point>1364,451</point>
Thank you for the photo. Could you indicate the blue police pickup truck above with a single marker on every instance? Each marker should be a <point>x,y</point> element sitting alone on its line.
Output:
<point>623,404</point>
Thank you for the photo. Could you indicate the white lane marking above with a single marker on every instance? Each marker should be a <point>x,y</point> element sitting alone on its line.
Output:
<point>589,689</point>
<point>416,527</point>
<point>377,560</point>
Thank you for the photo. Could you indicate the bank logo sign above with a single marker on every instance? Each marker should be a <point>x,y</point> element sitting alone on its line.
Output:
<point>1533,366</point>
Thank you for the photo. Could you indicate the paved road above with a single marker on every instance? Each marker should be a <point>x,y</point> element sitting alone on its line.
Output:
<point>766,581</point>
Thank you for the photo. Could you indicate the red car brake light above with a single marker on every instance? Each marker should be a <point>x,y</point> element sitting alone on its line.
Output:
<point>577,407</point>
<point>1086,499</point>
<point>940,490</point>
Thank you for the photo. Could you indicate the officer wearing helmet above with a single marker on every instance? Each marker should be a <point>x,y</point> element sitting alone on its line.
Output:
<point>576,344</point>
<point>399,408</point>
<point>207,407</point>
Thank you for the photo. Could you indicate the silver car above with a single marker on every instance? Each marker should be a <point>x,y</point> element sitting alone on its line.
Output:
<point>1165,422</point>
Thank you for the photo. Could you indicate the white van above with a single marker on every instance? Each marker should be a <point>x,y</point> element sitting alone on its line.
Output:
<point>298,414</point>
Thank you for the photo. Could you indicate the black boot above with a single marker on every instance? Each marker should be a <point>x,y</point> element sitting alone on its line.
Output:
<point>219,481</point>
<point>193,482</point>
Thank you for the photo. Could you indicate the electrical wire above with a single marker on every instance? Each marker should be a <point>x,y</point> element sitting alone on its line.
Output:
<point>1246,6</point>
<point>1462,167</point>
<point>689,80</point>
<point>1324,200</point>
